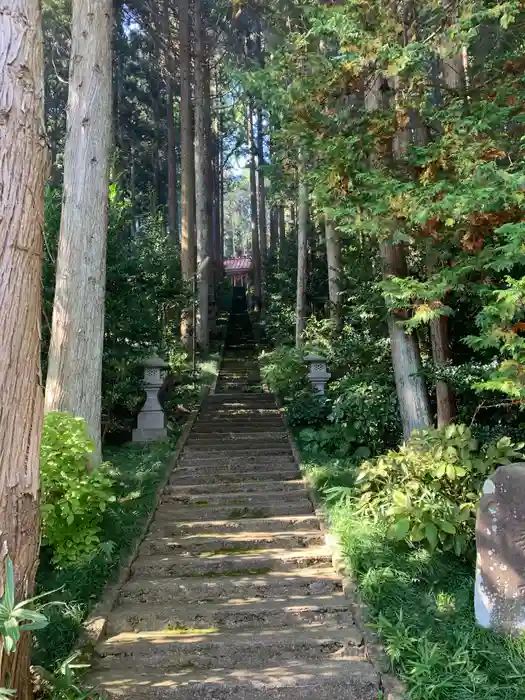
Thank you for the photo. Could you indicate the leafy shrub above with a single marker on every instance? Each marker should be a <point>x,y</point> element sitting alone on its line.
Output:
<point>428,490</point>
<point>330,474</point>
<point>284,371</point>
<point>367,405</point>
<point>279,321</point>
<point>73,497</point>
<point>307,408</point>
<point>333,440</point>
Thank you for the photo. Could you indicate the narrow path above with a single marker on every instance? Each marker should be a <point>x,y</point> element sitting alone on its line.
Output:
<point>233,595</point>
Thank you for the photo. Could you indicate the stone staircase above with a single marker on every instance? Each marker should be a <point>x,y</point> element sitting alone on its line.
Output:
<point>232,595</point>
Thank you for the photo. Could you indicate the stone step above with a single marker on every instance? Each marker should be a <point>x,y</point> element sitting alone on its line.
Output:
<point>242,416</point>
<point>348,678</point>
<point>226,427</point>
<point>232,376</point>
<point>235,372</point>
<point>281,585</point>
<point>234,387</point>
<point>332,609</point>
<point>235,404</point>
<point>233,512</point>
<point>244,486</point>
<point>239,450</point>
<point>167,525</point>
<point>257,415</point>
<point>236,458</point>
<point>217,467</point>
<point>193,477</point>
<point>262,561</point>
<point>262,496</point>
<point>228,650</point>
<point>245,438</point>
<point>240,401</point>
<point>232,544</point>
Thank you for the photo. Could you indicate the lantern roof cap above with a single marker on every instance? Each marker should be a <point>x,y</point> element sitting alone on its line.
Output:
<point>314,357</point>
<point>155,361</point>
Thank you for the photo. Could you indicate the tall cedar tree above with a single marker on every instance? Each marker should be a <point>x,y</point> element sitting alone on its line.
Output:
<point>74,377</point>
<point>22,168</point>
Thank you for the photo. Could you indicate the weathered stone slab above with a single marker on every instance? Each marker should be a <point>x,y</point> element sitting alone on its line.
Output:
<point>500,541</point>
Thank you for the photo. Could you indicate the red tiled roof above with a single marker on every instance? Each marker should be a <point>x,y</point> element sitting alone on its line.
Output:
<point>238,264</point>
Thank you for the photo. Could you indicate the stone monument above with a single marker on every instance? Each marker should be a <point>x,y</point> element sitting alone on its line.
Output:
<point>151,421</point>
<point>317,373</point>
<point>499,596</point>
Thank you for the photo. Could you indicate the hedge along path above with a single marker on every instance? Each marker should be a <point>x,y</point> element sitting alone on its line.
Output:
<point>233,594</point>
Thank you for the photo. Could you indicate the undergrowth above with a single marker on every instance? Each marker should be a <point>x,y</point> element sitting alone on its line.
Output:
<point>421,603</point>
<point>137,471</point>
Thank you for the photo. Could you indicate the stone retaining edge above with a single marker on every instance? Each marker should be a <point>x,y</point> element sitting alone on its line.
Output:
<point>392,687</point>
<point>94,627</point>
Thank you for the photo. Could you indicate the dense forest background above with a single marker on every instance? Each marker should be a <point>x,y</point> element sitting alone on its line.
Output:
<point>367,155</point>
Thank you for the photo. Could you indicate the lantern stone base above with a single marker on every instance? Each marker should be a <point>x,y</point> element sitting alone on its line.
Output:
<point>149,435</point>
<point>151,425</point>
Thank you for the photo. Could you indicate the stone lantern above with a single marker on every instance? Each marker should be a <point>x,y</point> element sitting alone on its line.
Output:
<point>317,372</point>
<point>151,421</point>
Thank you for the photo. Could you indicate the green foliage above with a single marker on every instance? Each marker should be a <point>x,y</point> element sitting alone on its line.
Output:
<point>333,440</point>
<point>421,604</point>
<point>144,290</point>
<point>367,405</point>
<point>284,371</point>
<point>428,490</point>
<point>137,472</point>
<point>16,618</point>
<point>74,495</point>
<point>64,684</point>
<point>279,321</point>
<point>307,408</point>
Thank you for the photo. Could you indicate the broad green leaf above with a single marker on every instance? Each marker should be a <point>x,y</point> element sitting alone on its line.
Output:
<point>431,534</point>
<point>400,529</point>
<point>401,499</point>
<point>418,533</point>
<point>451,472</point>
<point>447,527</point>
<point>450,431</point>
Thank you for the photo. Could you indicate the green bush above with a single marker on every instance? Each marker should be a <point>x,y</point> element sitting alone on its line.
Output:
<point>428,490</point>
<point>333,440</point>
<point>74,497</point>
<point>307,408</point>
<point>284,371</point>
<point>368,405</point>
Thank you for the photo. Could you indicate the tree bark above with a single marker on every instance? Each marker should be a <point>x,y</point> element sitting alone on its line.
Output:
<point>453,76</point>
<point>220,169</point>
<point>74,377</point>
<point>282,227</point>
<point>333,257</point>
<point>22,173</point>
<point>171,160</point>
<point>173,204</point>
<point>274,231</point>
<point>302,254</point>
<point>202,171</point>
<point>261,191</point>
<point>256,255</point>
<point>412,393</point>
<point>188,248</point>
<point>446,402</point>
